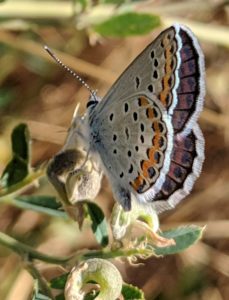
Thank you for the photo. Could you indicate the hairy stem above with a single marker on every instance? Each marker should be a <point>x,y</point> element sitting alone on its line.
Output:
<point>108,254</point>
<point>29,253</point>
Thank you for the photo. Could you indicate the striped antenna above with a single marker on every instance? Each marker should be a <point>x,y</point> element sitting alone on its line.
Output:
<point>50,52</point>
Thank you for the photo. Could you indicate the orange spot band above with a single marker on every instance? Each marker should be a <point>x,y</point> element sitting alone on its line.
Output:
<point>168,72</point>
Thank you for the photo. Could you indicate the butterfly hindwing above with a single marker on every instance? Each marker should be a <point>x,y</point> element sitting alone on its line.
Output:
<point>134,144</point>
<point>191,90</point>
<point>186,163</point>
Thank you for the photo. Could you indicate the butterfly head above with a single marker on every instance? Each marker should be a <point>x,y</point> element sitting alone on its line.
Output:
<point>92,102</point>
<point>77,134</point>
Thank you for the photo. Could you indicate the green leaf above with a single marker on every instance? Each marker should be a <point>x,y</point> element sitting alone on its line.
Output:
<point>192,279</point>
<point>41,200</point>
<point>99,224</point>
<point>128,24</point>
<point>130,292</point>
<point>117,2</point>
<point>59,282</point>
<point>7,95</point>
<point>83,3</point>
<point>20,142</point>
<point>60,297</point>
<point>40,203</point>
<point>18,168</point>
<point>184,238</point>
<point>15,171</point>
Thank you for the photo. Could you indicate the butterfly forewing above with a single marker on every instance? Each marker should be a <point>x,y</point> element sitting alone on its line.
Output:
<point>172,69</point>
<point>152,71</point>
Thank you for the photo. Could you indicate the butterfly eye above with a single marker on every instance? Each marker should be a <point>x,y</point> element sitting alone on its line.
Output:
<point>92,103</point>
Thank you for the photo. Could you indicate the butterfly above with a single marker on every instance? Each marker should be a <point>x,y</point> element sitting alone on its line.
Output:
<point>144,133</point>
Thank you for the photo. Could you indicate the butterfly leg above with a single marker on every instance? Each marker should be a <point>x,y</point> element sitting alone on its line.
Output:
<point>123,196</point>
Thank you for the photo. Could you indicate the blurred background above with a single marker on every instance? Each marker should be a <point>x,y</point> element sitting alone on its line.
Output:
<point>36,91</point>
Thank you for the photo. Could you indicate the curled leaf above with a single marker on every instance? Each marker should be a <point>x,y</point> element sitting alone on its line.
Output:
<point>120,221</point>
<point>73,175</point>
<point>141,216</point>
<point>94,274</point>
<point>83,183</point>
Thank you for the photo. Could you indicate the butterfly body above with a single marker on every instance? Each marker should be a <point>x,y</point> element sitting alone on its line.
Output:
<point>144,132</point>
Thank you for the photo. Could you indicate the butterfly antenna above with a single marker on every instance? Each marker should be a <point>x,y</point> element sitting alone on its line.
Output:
<point>50,52</point>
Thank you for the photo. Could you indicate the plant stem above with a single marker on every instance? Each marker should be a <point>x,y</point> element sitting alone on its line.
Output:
<point>35,49</point>
<point>16,202</point>
<point>108,254</point>
<point>28,252</point>
<point>37,10</point>
<point>16,188</point>
<point>42,283</point>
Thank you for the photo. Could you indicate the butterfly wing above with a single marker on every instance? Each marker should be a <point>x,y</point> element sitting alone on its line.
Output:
<point>172,69</point>
<point>151,107</point>
<point>186,163</point>
<point>134,139</point>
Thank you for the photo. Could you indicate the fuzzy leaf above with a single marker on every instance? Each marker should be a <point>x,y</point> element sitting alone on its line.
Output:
<point>99,224</point>
<point>128,24</point>
<point>18,168</point>
<point>130,292</point>
<point>184,238</point>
